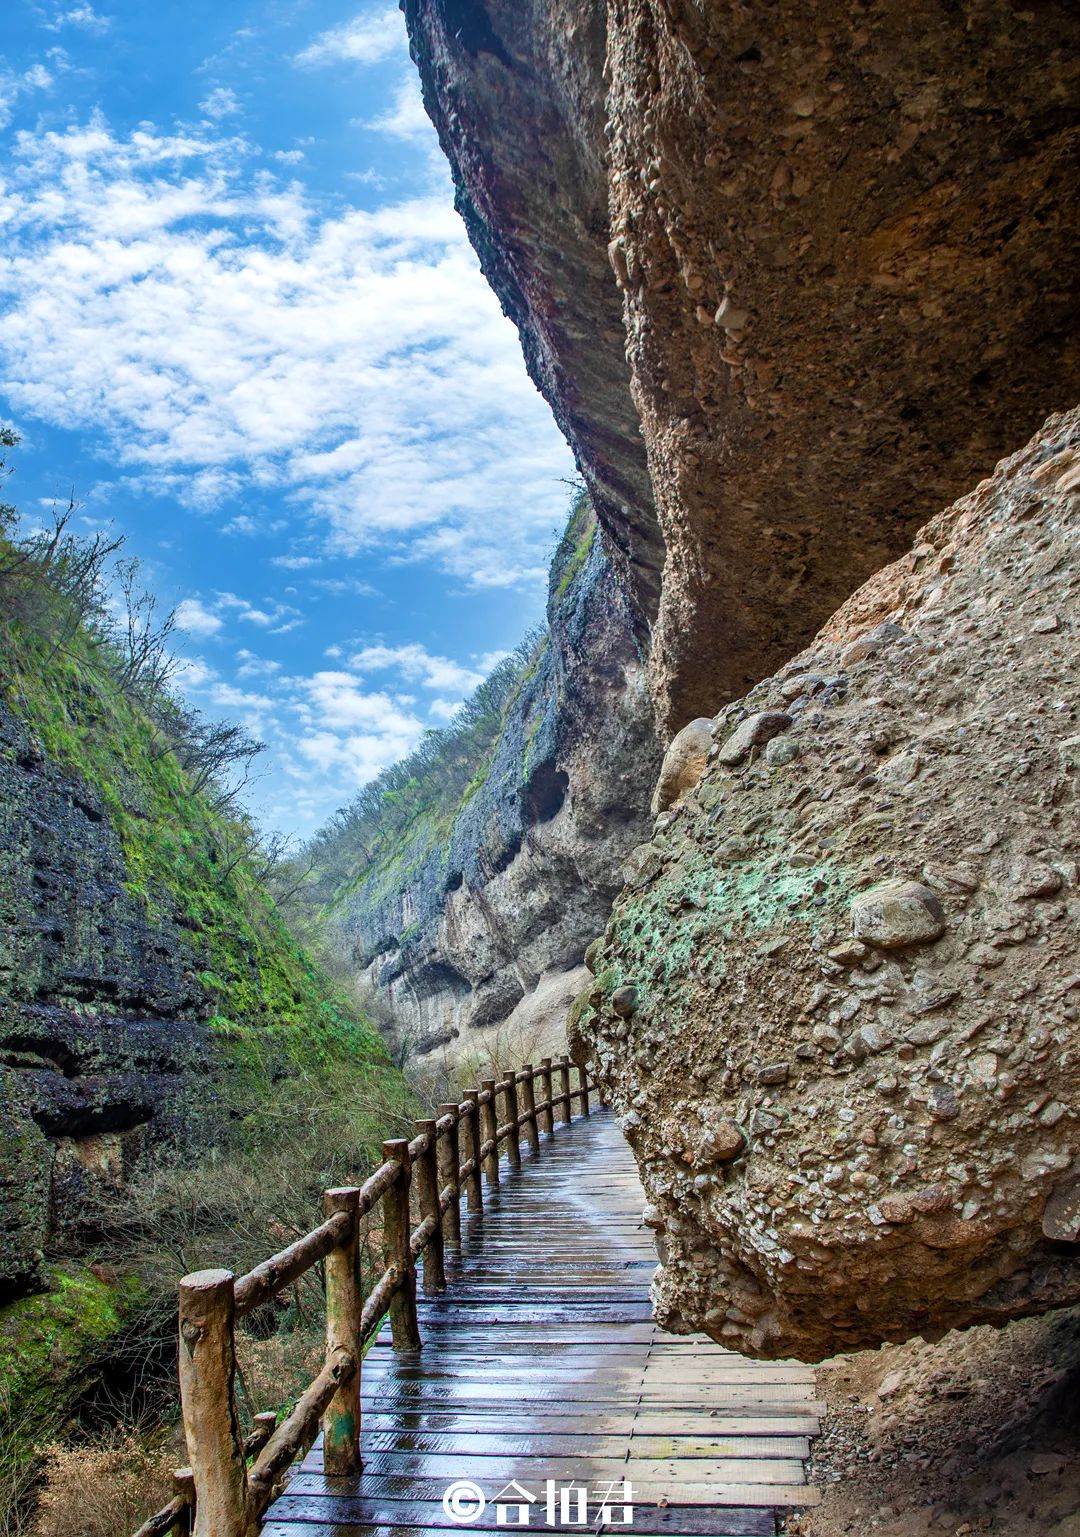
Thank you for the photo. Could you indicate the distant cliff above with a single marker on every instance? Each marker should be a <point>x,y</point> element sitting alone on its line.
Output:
<point>454,919</point>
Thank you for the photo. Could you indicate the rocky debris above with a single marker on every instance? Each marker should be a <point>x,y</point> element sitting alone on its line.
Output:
<point>454,935</point>
<point>874,974</point>
<point>684,763</point>
<point>808,264</point>
<point>751,732</point>
<point>978,1432</point>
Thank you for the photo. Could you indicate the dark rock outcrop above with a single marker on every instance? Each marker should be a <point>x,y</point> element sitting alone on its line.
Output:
<point>844,248</point>
<point>100,1008</point>
<point>461,926</point>
<point>837,1004</point>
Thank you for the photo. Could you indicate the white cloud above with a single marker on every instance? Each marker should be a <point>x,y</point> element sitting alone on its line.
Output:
<point>193,672</point>
<point>417,664</point>
<point>369,38</point>
<point>444,709</point>
<point>236,338</point>
<point>83,16</point>
<point>405,118</point>
<point>289,156</point>
<point>220,102</point>
<point>193,616</point>
<point>241,524</point>
<point>13,86</point>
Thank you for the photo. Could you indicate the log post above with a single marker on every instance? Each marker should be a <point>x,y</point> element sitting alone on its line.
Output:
<point>583,1078</point>
<point>489,1128</point>
<point>564,1090</point>
<point>547,1118</point>
<point>396,1230</point>
<point>449,1162</point>
<point>207,1367</point>
<point>344,1305</point>
<point>474,1185</point>
<point>513,1141</point>
<point>528,1106</point>
<point>427,1194</point>
<point>184,1484</point>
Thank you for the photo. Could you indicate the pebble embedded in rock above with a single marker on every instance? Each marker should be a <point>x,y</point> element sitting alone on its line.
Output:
<point>752,732</point>
<point>943,1103</point>
<point>624,1000</point>
<point>781,751</point>
<point>774,1072</point>
<point>897,914</point>
<point>724,1141</point>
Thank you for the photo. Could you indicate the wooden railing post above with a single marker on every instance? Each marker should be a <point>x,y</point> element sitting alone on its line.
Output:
<point>547,1119</point>
<point>528,1106</point>
<point>564,1090</point>
<point>207,1363</point>
<point>344,1305</point>
<point>404,1325</point>
<point>427,1193</point>
<point>184,1484</point>
<point>583,1079</point>
<point>474,1185</point>
<point>513,1141</point>
<point>449,1162</point>
<point>489,1129</point>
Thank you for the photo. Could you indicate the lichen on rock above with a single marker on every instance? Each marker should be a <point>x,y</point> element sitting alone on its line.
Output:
<point>865,956</point>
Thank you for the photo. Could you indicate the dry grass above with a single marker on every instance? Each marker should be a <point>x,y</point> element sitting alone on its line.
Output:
<point>102,1490</point>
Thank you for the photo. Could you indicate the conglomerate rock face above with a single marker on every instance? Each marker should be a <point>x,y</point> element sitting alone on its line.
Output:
<point>837,1003</point>
<point>842,237</point>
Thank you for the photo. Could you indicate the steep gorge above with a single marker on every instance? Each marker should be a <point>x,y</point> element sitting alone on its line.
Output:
<point>478,913</point>
<point>819,263</point>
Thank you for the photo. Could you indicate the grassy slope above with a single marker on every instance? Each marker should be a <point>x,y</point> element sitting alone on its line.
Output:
<point>305,1077</point>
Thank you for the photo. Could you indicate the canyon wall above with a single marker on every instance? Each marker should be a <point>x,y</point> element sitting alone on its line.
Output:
<point>456,927</point>
<point>149,990</point>
<point>814,258</point>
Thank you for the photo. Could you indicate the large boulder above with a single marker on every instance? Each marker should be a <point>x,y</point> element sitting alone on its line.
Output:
<point>837,1004</point>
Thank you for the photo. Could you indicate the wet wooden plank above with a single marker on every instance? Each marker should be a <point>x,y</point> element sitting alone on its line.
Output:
<point>416,1517</point>
<point>542,1361</point>
<point>586,1426</point>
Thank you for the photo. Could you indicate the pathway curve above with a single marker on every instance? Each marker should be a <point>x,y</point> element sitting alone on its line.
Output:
<point>541,1362</point>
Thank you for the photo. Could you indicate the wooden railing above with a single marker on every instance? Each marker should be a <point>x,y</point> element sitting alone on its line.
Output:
<point>232,1479</point>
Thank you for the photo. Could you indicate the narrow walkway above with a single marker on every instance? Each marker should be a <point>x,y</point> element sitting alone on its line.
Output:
<point>540,1361</point>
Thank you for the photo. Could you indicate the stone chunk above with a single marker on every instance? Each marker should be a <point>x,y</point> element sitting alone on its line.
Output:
<point>774,1072</point>
<point>897,914</point>
<point>624,1000</point>
<point>684,763</point>
<point>1061,1214</point>
<point>752,732</point>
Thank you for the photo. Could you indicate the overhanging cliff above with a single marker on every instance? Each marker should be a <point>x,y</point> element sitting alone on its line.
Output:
<point>817,255</point>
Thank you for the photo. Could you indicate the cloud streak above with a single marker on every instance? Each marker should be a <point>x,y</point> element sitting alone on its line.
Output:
<point>234,334</point>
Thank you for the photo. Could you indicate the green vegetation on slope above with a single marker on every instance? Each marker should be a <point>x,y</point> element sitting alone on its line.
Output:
<point>300,1091</point>
<point>388,831</point>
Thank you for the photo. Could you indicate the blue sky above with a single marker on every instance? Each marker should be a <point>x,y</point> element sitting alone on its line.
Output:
<point>242,320</point>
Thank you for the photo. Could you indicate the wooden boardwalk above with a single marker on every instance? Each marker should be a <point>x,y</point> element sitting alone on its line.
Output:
<point>540,1362</point>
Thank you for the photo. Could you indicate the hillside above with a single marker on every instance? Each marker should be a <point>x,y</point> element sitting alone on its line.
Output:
<point>479,870</point>
<point>155,1011</point>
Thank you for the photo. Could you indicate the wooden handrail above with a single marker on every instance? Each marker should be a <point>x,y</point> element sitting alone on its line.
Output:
<point>219,1495</point>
